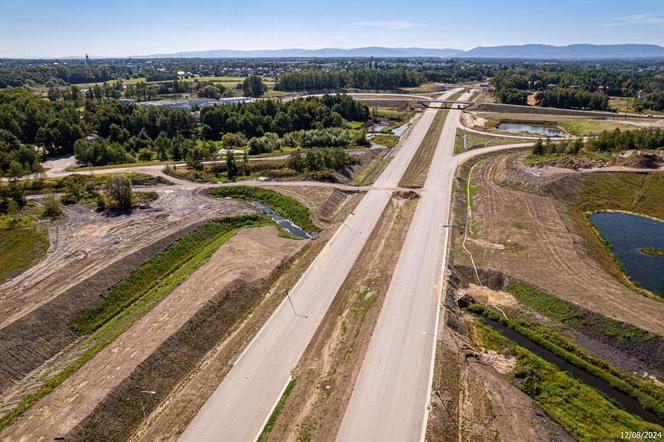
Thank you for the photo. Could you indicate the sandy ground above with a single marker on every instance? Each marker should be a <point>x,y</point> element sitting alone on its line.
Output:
<point>84,242</point>
<point>532,237</point>
<point>250,255</point>
<point>327,372</point>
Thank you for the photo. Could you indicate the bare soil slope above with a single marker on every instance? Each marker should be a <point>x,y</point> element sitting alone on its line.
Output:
<point>250,255</point>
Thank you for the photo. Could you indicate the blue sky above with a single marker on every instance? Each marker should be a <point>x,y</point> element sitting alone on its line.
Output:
<point>30,28</point>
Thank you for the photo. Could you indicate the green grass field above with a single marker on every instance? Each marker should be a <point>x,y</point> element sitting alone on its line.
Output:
<point>476,141</point>
<point>592,127</point>
<point>22,244</point>
<point>578,318</point>
<point>632,192</point>
<point>385,140</point>
<point>284,205</point>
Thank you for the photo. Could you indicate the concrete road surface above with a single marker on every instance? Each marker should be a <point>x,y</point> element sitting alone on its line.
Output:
<point>391,395</point>
<point>239,408</point>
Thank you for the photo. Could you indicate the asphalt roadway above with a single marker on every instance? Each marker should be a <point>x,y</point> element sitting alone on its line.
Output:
<point>391,395</point>
<point>241,405</point>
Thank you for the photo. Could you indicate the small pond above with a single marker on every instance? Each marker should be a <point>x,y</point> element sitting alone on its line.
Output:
<point>400,130</point>
<point>284,223</point>
<point>546,131</point>
<point>377,127</point>
<point>629,235</point>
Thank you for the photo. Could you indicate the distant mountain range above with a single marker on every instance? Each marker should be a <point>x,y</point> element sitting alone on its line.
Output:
<point>314,53</point>
<point>528,51</point>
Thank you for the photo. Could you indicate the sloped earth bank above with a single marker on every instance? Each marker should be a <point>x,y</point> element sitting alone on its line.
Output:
<point>84,242</point>
<point>326,374</point>
<point>523,226</point>
<point>172,414</point>
<point>89,253</point>
<point>102,400</point>
<point>472,399</point>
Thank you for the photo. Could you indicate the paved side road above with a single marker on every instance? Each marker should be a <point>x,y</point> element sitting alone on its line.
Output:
<point>239,408</point>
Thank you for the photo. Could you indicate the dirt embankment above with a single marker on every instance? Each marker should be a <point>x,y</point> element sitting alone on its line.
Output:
<point>523,226</point>
<point>84,242</point>
<point>97,252</point>
<point>103,398</point>
<point>471,398</point>
<point>326,374</point>
<point>639,159</point>
<point>174,413</point>
<point>322,202</point>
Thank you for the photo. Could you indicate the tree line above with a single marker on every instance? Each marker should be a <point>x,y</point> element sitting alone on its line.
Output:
<point>579,85</point>
<point>260,117</point>
<point>607,141</point>
<point>108,132</point>
<point>358,79</point>
<point>567,98</point>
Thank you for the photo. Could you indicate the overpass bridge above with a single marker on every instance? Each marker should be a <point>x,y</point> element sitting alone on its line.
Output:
<point>448,104</point>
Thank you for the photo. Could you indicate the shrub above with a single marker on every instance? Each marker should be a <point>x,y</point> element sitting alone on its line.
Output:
<point>119,193</point>
<point>51,206</point>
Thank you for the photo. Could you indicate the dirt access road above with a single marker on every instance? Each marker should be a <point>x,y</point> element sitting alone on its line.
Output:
<point>240,406</point>
<point>250,255</point>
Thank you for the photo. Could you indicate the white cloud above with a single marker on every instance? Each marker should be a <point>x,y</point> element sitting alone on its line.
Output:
<point>638,19</point>
<point>389,25</point>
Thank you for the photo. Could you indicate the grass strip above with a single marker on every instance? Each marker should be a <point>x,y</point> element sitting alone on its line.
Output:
<point>284,205</point>
<point>579,318</point>
<point>22,244</point>
<point>582,411</point>
<point>269,425</point>
<point>152,273</point>
<point>416,173</point>
<point>475,140</point>
<point>649,396</point>
<point>385,140</point>
<point>118,166</point>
